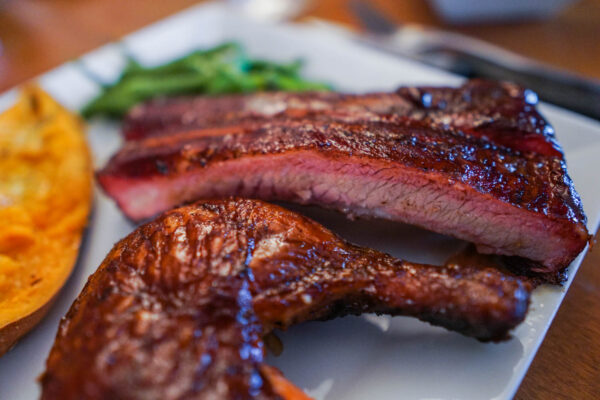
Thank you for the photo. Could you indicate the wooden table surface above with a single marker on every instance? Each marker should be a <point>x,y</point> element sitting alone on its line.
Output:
<point>41,34</point>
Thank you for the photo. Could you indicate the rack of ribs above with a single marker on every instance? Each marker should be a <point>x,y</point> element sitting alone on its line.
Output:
<point>179,307</point>
<point>476,162</point>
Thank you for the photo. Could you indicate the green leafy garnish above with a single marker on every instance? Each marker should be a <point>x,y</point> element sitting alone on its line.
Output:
<point>222,69</point>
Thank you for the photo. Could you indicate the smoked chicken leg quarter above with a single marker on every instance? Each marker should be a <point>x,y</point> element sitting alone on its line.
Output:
<point>178,308</point>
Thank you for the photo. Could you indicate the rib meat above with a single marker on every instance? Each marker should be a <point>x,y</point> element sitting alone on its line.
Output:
<point>178,308</point>
<point>501,112</point>
<point>410,169</point>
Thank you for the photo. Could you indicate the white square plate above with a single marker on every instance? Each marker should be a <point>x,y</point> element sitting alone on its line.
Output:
<point>350,358</point>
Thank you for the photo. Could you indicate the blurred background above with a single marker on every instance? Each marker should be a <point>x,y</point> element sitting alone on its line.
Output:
<point>37,35</point>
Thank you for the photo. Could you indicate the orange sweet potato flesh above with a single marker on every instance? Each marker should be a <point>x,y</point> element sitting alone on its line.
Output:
<point>45,198</point>
<point>284,388</point>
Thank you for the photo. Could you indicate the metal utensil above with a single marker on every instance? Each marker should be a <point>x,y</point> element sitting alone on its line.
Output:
<point>476,58</point>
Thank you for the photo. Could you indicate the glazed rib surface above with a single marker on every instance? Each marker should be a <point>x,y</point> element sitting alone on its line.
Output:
<point>503,113</point>
<point>178,308</point>
<point>466,162</point>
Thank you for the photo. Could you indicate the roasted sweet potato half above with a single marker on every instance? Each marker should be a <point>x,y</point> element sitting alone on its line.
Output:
<point>45,198</point>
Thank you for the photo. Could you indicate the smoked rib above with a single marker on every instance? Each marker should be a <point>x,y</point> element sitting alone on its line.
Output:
<point>503,113</point>
<point>466,162</point>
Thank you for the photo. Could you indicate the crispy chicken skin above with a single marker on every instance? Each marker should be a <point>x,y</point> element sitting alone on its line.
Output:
<point>178,308</point>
